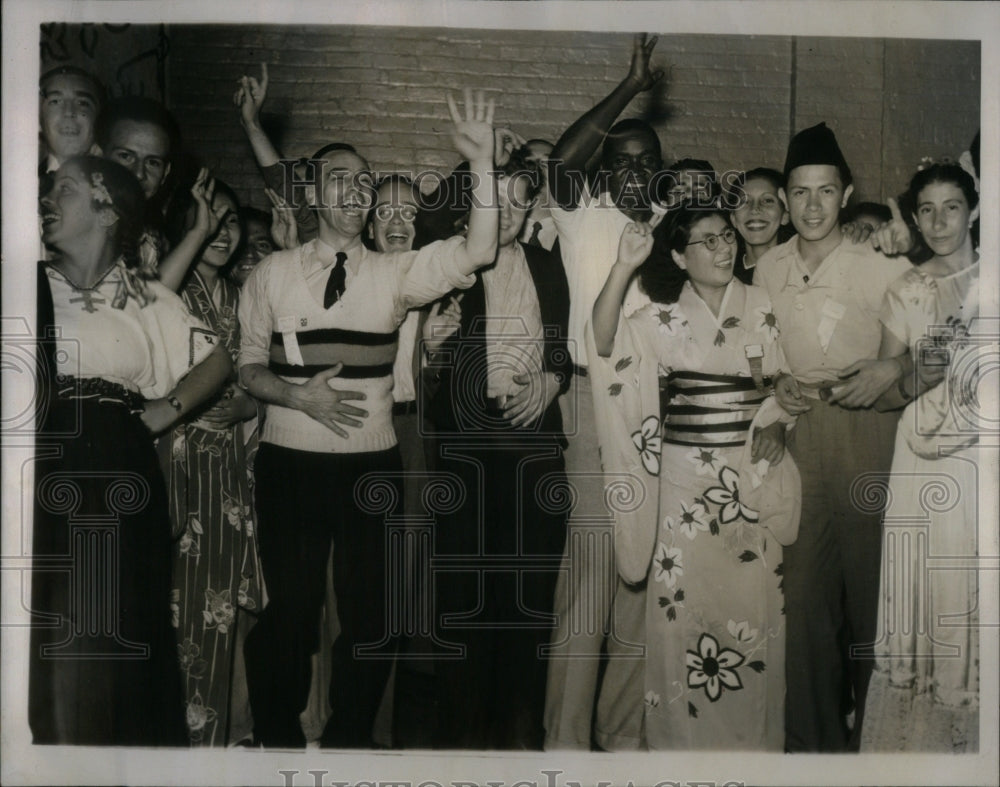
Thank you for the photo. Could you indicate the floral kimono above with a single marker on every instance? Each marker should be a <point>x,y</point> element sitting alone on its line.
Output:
<point>715,625</point>
<point>215,568</point>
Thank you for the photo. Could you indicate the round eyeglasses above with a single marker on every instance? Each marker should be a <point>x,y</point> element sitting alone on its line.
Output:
<point>712,241</point>
<point>386,212</point>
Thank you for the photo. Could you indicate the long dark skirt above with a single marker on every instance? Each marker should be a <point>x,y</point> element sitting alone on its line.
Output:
<point>103,663</point>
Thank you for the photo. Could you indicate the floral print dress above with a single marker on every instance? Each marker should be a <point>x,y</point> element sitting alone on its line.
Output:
<point>715,625</point>
<point>216,572</point>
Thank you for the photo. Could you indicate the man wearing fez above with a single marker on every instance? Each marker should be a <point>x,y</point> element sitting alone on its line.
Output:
<point>827,292</point>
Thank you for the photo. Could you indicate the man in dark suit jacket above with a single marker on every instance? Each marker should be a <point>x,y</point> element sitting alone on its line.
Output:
<point>493,404</point>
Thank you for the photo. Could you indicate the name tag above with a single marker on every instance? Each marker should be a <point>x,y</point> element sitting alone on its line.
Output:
<point>831,313</point>
<point>286,327</point>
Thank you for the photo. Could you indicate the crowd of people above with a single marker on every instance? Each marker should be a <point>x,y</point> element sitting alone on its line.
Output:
<point>548,458</point>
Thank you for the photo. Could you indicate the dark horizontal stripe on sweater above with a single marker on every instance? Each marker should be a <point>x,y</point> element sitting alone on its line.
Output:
<point>340,336</point>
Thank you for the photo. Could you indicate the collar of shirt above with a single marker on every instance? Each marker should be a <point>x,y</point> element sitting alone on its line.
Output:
<point>318,255</point>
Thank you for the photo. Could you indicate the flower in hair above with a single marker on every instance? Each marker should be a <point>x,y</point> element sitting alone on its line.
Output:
<point>98,191</point>
<point>928,161</point>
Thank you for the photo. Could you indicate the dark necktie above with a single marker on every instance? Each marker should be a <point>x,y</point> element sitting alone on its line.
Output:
<point>335,284</point>
<point>535,232</point>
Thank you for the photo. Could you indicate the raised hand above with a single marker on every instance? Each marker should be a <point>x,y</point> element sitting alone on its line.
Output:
<point>327,405</point>
<point>639,74</point>
<point>250,95</point>
<point>207,218</point>
<point>284,229</point>
<point>894,236</point>
<point>505,142</point>
<point>473,136</point>
<point>635,244</point>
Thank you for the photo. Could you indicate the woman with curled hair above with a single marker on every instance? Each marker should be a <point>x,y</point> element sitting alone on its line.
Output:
<point>924,693</point>
<point>719,494</point>
<point>121,361</point>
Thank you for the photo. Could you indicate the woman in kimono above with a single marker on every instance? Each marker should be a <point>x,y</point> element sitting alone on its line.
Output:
<point>216,575</point>
<point>125,362</point>
<point>924,694</point>
<point>704,532</point>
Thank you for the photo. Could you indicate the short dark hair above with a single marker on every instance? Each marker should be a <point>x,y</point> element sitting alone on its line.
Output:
<point>943,173</point>
<point>100,94</point>
<point>876,209</point>
<point>631,127</point>
<point>138,109</point>
<point>518,165</point>
<point>659,276</point>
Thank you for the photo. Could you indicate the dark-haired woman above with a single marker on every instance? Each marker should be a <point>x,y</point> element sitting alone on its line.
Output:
<point>704,531</point>
<point>924,694</point>
<point>127,360</point>
<point>761,219</point>
<point>216,574</point>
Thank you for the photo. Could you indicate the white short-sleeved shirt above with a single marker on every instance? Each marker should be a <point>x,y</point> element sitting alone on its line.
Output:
<point>105,333</point>
<point>829,317</point>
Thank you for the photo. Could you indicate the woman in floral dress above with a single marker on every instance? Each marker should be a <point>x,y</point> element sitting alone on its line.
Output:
<point>215,571</point>
<point>715,630</point>
<point>924,694</point>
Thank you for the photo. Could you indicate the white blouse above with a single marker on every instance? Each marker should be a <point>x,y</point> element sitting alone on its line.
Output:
<point>105,333</point>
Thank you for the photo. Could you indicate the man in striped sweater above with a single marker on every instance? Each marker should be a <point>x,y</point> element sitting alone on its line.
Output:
<point>319,331</point>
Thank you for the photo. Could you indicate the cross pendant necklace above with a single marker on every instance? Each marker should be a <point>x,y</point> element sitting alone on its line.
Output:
<point>88,298</point>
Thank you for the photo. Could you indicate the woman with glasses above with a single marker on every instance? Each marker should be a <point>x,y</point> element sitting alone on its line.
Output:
<point>704,530</point>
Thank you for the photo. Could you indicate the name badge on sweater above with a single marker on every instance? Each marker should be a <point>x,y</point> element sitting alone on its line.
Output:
<point>286,327</point>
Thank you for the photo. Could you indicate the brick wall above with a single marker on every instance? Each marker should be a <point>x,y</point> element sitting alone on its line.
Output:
<point>731,99</point>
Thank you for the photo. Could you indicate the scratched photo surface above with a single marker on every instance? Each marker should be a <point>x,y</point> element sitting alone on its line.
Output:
<point>381,412</point>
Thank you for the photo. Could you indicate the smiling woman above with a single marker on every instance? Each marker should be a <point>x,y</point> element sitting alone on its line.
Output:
<point>127,360</point>
<point>216,578</point>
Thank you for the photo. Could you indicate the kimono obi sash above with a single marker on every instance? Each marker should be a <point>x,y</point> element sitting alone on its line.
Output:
<point>365,354</point>
<point>709,409</point>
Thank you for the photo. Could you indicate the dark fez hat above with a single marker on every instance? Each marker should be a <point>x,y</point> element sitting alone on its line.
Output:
<point>816,145</point>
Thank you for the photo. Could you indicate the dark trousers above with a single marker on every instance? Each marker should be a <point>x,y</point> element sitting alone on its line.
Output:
<point>493,596</point>
<point>305,500</point>
<point>831,573</point>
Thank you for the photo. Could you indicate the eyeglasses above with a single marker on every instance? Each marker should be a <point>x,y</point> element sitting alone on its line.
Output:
<point>406,212</point>
<point>712,241</point>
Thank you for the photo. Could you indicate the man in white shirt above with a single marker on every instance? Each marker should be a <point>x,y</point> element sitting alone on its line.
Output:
<point>592,604</point>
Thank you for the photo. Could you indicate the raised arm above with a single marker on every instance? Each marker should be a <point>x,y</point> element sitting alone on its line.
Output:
<point>633,249</point>
<point>578,143</point>
<point>173,268</point>
<point>249,97</point>
<point>473,139</point>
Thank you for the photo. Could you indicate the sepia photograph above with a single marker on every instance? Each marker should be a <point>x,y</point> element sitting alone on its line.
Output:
<point>500,393</point>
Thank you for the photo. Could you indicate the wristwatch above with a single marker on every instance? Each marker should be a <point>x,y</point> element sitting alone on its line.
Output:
<point>174,402</point>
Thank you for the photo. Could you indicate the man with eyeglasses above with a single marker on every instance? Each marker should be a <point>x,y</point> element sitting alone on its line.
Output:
<point>319,337</point>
